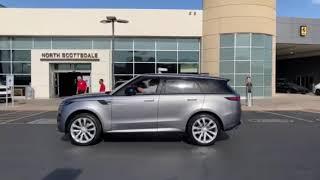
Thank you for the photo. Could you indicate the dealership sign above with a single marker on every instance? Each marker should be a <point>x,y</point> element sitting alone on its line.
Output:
<point>72,56</point>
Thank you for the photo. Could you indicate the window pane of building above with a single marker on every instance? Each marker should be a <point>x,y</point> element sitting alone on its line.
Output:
<point>5,55</point>
<point>227,40</point>
<point>86,67</point>
<point>5,68</point>
<point>188,68</point>
<point>21,68</point>
<point>42,43</point>
<point>123,68</point>
<point>258,40</point>
<point>188,56</point>
<point>22,80</point>
<point>268,55</point>
<point>268,80</point>
<point>22,43</point>
<point>243,67</point>
<point>267,91</point>
<point>243,39</point>
<point>144,68</point>
<point>240,80</point>
<point>226,66</point>
<point>256,67</point>
<point>242,53</point>
<point>172,68</point>
<point>258,54</point>
<point>166,56</point>
<point>4,43</point>
<point>123,56</point>
<point>268,42</point>
<point>21,55</point>
<point>71,43</point>
<point>101,43</point>
<point>166,44</point>
<point>144,44</point>
<point>267,68</point>
<point>227,54</point>
<point>258,91</point>
<point>144,56</point>
<point>188,44</point>
<point>258,80</point>
<point>126,44</point>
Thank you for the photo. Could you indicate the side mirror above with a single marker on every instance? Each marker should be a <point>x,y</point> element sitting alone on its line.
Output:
<point>130,91</point>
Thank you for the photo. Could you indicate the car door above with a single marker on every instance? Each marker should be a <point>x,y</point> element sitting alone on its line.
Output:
<point>178,100</point>
<point>136,113</point>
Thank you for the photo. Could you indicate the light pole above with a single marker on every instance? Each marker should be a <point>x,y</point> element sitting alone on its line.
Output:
<point>113,20</point>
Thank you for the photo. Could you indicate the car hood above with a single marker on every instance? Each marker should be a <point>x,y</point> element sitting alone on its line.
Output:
<point>86,97</point>
<point>317,86</point>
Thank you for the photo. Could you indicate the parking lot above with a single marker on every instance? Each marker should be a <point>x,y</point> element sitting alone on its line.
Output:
<point>268,145</point>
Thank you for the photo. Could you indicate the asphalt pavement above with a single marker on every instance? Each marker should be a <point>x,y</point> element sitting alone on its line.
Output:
<point>268,145</point>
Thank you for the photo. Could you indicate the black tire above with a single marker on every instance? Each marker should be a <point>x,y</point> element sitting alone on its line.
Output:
<point>193,120</point>
<point>97,137</point>
<point>318,92</point>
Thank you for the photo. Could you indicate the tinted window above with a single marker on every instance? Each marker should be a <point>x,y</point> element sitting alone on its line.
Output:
<point>180,86</point>
<point>142,86</point>
<point>216,87</point>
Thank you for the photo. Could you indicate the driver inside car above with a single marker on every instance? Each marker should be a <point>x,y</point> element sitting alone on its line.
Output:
<point>149,87</point>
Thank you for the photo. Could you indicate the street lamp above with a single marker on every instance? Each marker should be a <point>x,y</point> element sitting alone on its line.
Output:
<point>113,20</point>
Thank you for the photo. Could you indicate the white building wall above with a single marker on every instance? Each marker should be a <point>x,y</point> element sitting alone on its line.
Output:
<point>86,22</point>
<point>40,70</point>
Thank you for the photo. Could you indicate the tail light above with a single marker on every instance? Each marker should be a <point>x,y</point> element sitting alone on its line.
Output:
<point>235,98</point>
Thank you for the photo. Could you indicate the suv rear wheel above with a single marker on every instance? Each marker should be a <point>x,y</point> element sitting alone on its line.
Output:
<point>203,129</point>
<point>318,92</point>
<point>84,129</point>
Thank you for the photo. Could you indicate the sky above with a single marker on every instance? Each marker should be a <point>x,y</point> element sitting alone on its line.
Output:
<point>292,8</point>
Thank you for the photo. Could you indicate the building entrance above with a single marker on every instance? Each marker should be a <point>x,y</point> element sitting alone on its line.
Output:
<point>66,83</point>
<point>64,78</point>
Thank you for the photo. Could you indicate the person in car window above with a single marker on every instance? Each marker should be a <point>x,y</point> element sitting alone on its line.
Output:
<point>150,88</point>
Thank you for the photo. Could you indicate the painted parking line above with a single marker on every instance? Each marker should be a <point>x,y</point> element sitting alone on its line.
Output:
<point>43,121</point>
<point>287,116</point>
<point>23,117</point>
<point>9,113</point>
<point>271,120</point>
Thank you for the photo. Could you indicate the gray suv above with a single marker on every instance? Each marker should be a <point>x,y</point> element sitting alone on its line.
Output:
<point>197,105</point>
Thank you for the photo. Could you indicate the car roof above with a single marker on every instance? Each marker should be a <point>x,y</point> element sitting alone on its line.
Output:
<point>200,76</point>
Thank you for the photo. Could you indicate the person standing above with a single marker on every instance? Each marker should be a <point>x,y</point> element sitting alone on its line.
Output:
<point>102,86</point>
<point>81,85</point>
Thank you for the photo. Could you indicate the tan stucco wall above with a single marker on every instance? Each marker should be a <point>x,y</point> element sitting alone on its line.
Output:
<point>86,22</point>
<point>40,71</point>
<point>234,16</point>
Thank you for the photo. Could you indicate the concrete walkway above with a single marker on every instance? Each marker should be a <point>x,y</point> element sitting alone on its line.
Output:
<point>280,102</point>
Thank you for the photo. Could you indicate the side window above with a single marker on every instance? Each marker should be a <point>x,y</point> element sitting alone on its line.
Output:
<point>142,86</point>
<point>181,86</point>
<point>216,87</point>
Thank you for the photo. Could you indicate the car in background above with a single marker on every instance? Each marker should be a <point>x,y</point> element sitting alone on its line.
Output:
<point>5,92</point>
<point>316,90</point>
<point>287,87</point>
<point>202,107</point>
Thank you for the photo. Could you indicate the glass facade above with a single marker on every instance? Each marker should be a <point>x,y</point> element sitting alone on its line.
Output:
<point>245,54</point>
<point>132,56</point>
<point>140,56</point>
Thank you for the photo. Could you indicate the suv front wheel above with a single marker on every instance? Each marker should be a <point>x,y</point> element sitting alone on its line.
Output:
<point>84,129</point>
<point>203,130</point>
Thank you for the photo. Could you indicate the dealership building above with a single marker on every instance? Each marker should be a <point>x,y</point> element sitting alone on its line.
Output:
<point>49,48</point>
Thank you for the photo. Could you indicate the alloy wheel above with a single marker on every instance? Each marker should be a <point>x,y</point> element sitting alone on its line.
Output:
<point>83,130</point>
<point>205,130</point>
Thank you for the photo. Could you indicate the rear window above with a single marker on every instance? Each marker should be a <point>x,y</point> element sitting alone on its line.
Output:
<point>216,87</point>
